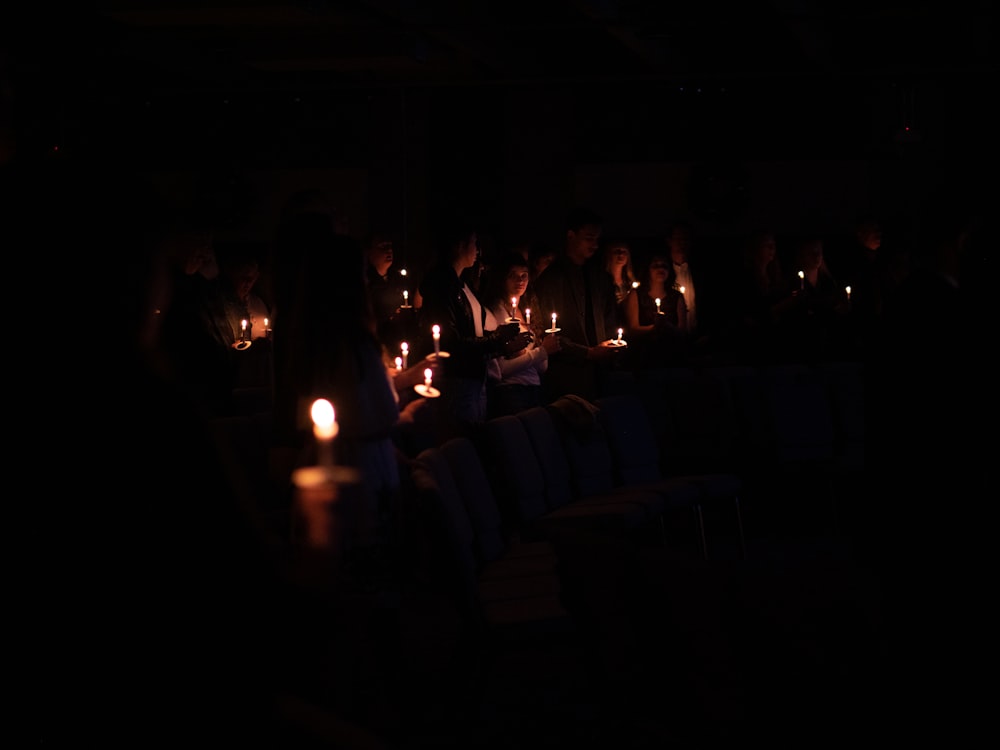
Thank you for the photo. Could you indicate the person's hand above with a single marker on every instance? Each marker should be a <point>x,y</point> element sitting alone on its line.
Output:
<point>508,331</point>
<point>551,344</point>
<point>516,345</point>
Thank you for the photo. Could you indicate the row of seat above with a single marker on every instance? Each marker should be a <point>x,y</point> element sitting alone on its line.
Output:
<point>658,444</point>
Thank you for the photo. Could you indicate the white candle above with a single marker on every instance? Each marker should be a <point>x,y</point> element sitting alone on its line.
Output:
<point>406,298</point>
<point>527,315</point>
<point>427,378</point>
<point>802,280</point>
<point>243,329</point>
<point>620,332</point>
<point>553,321</point>
<point>436,334</point>
<point>405,348</point>
<point>848,290</point>
<point>325,429</point>
<point>657,300</point>
<point>399,364</point>
<point>513,307</point>
<point>267,324</point>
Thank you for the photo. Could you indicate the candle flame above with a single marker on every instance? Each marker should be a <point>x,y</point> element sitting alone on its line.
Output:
<point>404,347</point>
<point>682,290</point>
<point>427,377</point>
<point>436,330</point>
<point>324,419</point>
<point>802,274</point>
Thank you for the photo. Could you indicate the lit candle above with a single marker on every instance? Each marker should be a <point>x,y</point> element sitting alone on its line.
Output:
<point>620,332</point>
<point>635,284</point>
<point>267,325</point>
<point>406,298</point>
<point>527,316</point>
<point>553,321</point>
<point>802,280</point>
<point>682,290</point>
<point>427,378</point>
<point>513,307</point>
<point>402,272</point>
<point>243,329</point>
<point>436,334</point>
<point>848,290</point>
<point>325,429</point>
<point>399,364</point>
<point>405,348</point>
<point>657,300</point>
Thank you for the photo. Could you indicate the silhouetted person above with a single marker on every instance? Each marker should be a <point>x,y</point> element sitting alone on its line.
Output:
<point>580,291</point>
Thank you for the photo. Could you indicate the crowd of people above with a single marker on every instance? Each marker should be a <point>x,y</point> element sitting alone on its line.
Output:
<point>191,325</point>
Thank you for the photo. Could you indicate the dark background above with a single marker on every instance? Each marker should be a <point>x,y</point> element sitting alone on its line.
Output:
<point>790,114</point>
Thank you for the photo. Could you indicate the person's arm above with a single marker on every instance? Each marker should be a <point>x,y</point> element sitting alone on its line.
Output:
<point>441,307</point>
<point>632,324</point>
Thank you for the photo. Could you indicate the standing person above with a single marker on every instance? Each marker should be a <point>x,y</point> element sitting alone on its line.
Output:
<point>685,273</point>
<point>578,289</point>
<point>618,262</point>
<point>469,334</point>
<point>326,348</point>
<point>658,330</point>
<point>392,308</point>
<point>515,382</point>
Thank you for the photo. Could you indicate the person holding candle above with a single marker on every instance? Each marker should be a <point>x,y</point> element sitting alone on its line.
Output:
<point>819,302</point>
<point>577,287</point>
<point>335,355</point>
<point>762,297</point>
<point>393,321</point>
<point>469,330</point>
<point>618,262</point>
<point>515,382</point>
<point>657,331</point>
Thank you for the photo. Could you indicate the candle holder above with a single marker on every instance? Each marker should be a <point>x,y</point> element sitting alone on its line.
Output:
<point>425,389</point>
<point>438,355</point>
<point>241,345</point>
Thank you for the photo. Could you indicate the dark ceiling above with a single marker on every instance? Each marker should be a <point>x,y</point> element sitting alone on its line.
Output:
<point>350,43</point>
<point>836,72</point>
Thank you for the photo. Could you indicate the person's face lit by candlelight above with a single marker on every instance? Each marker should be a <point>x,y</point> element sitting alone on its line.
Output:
<point>516,283</point>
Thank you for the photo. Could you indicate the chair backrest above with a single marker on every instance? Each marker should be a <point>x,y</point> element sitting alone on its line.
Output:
<point>551,455</point>
<point>581,433</point>
<point>800,416</point>
<point>477,496</point>
<point>514,471</point>
<point>631,440</point>
<point>452,531</point>
<point>704,425</point>
<point>846,381</point>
